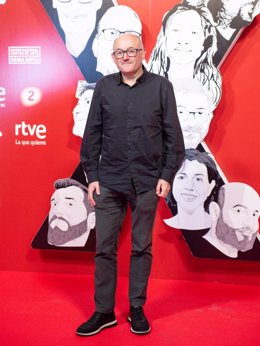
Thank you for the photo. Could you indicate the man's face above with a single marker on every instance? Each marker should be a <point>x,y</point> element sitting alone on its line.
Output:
<point>191,186</point>
<point>195,116</point>
<point>74,14</point>
<point>116,21</point>
<point>238,221</point>
<point>80,112</point>
<point>126,64</point>
<point>67,204</point>
<point>184,37</point>
<point>67,216</point>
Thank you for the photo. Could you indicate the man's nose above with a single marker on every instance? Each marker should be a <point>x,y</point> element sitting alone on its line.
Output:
<point>249,221</point>
<point>58,209</point>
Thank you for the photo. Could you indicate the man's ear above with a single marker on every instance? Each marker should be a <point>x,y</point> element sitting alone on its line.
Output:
<point>92,220</point>
<point>113,58</point>
<point>214,211</point>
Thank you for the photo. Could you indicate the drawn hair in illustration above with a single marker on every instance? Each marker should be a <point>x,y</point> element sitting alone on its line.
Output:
<point>185,48</point>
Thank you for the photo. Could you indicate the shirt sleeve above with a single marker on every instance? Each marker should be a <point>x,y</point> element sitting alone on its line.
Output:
<point>92,139</point>
<point>173,143</point>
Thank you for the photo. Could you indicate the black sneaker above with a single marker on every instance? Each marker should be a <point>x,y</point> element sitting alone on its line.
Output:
<point>139,323</point>
<point>96,323</point>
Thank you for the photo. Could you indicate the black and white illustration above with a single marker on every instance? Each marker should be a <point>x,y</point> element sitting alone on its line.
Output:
<point>71,216</point>
<point>70,224</point>
<point>185,48</point>
<point>76,21</point>
<point>80,112</point>
<point>230,17</point>
<point>193,189</point>
<point>195,110</point>
<point>234,219</point>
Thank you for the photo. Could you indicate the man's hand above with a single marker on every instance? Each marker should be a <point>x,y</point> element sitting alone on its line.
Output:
<point>93,187</point>
<point>162,188</point>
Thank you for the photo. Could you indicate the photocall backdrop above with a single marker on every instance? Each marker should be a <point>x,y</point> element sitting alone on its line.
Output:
<point>38,80</point>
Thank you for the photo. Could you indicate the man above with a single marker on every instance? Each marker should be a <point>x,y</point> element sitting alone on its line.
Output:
<point>71,216</point>
<point>234,219</point>
<point>131,149</point>
<point>84,94</point>
<point>192,186</point>
<point>195,110</point>
<point>116,21</point>
<point>77,19</point>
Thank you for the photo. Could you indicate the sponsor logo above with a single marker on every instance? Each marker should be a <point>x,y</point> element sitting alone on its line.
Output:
<point>30,96</point>
<point>24,55</point>
<point>26,134</point>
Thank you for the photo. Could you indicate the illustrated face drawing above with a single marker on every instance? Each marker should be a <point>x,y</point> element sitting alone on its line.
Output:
<point>237,224</point>
<point>184,37</point>
<point>80,112</point>
<point>69,217</point>
<point>191,186</point>
<point>194,112</point>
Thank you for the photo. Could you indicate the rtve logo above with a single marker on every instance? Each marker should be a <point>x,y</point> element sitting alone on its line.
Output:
<point>31,130</point>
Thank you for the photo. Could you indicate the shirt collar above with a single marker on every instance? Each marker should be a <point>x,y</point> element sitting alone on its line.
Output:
<point>140,80</point>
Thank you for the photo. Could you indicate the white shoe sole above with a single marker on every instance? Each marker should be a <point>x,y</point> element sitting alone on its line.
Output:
<point>107,325</point>
<point>137,331</point>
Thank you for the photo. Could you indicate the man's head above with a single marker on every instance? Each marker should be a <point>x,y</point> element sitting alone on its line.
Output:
<point>77,19</point>
<point>116,21</point>
<point>71,215</point>
<point>80,112</point>
<point>128,53</point>
<point>236,215</point>
<point>194,182</point>
<point>195,110</point>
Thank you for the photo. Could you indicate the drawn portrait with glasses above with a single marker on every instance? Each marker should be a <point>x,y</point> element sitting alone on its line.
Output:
<point>116,21</point>
<point>76,22</point>
<point>195,110</point>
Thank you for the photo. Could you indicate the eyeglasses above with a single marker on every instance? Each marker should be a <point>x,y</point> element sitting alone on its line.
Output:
<point>112,34</point>
<point>201,115</point>
<point>80,1</point>
<point>131,52</point>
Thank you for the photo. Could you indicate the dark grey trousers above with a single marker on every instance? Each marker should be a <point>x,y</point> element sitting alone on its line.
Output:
<point>111,207</point>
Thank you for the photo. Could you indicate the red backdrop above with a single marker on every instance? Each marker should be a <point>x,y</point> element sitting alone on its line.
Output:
<point>27,172</point>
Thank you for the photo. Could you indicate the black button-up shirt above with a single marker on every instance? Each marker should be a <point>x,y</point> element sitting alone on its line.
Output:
<point>133,135</point>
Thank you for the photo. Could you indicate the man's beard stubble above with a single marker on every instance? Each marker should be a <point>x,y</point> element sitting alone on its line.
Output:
<point>228,236</point>
<point>57,237</point>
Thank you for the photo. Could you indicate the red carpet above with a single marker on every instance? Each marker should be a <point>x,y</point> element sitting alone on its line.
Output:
<point>44,309</point>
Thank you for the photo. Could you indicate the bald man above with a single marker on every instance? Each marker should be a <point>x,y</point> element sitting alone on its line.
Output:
<point>131,148</point>
<point>116,21</point>
<point>234,219</point>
